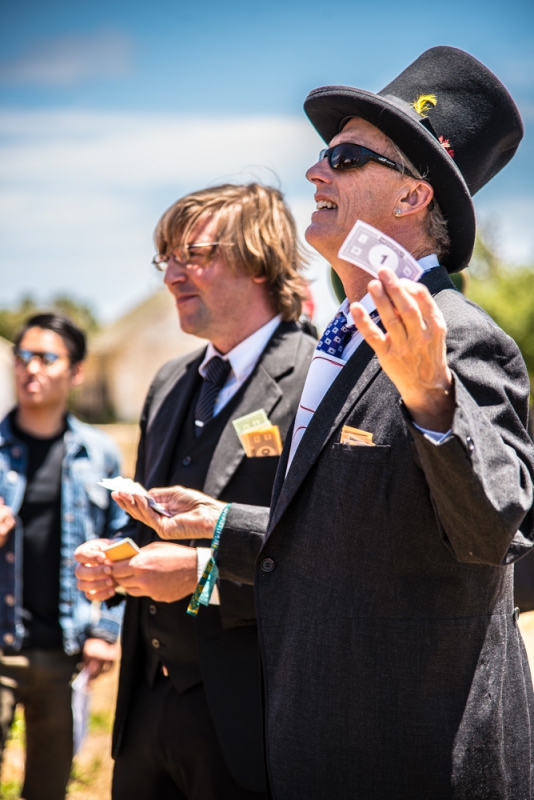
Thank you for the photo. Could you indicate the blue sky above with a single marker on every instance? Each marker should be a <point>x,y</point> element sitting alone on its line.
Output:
<point>111,110</point>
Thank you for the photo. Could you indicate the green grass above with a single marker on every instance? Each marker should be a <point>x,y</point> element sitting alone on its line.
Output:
<point>84,777</point>
<point>10,790</point>
<point>101,721</point>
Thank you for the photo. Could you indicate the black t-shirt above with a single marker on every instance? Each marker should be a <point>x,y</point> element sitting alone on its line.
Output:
<point>41,517</point>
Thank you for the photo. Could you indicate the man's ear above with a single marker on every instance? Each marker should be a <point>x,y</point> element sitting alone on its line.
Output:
<point>413,197</point>
<point>77,374</point>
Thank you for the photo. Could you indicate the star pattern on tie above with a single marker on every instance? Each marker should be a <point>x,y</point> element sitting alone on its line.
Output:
<point>338,334</point>
<point>216,373</point>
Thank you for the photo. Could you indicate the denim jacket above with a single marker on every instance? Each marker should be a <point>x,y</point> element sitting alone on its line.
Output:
<point>87,512</point>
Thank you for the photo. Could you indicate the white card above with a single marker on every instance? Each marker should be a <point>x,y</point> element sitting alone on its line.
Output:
<point>120,484</point>
<point>371,250</point>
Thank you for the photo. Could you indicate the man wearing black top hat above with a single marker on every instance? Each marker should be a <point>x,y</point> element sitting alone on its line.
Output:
<point>393,665</point>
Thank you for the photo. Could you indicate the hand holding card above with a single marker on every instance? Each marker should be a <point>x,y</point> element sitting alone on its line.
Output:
<point>120,484</point>
<point>371,250</point>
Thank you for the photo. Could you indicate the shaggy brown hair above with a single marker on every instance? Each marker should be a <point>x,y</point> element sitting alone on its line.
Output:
<point>261,229</point>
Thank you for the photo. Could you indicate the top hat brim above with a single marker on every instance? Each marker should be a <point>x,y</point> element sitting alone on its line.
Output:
<point>328,106</point>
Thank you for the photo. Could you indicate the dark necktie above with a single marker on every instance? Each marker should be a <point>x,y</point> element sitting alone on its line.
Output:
<point>216,372</point>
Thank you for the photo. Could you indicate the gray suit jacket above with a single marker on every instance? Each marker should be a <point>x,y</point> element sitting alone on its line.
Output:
<point>392,660</point>
<point>227,642</point>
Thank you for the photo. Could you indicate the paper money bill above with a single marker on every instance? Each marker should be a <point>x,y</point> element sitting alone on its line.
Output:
<point>370,249</point>
<point>262,442</point>
<point>355,436</point>
<point>120,484</point>
<point>257,419</point>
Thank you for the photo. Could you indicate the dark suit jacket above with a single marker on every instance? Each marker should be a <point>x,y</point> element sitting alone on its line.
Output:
<point>229,654</point>
<point>393,664</point>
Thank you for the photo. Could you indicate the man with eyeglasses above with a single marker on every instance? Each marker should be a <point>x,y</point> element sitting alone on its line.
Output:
<point>392,662</point>
<point>49,504</point>
<point>188,722</point>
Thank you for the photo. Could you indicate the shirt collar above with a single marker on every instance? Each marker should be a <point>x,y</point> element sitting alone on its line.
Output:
<point>427,263</point>
<point>244,356</point>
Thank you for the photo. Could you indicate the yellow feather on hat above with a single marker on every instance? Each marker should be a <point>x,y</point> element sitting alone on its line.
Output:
<point>423,101</point>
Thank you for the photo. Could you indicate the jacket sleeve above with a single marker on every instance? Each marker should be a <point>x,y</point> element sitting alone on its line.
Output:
<point>481,475</point>
<point>240,542</point>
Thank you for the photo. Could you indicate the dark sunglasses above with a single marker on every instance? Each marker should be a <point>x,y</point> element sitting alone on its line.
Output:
<point>349,156</point>
<point>24,357</point>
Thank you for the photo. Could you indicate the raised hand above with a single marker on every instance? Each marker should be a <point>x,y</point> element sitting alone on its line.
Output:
<point>412,352</point>
<point>194,514</point>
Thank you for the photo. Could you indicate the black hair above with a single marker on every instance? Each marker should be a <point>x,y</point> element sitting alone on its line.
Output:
<point>73,337</point>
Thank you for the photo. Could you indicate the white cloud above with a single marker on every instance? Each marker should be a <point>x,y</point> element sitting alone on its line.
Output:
<point>80,193</point>
<point>138,150</point>
<point>509,224</point>
<point>70,60</point>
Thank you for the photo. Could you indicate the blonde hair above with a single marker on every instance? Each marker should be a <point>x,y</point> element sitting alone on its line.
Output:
<point>261,229</point>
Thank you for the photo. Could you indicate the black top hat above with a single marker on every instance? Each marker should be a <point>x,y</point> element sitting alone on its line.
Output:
<point>453,119</point>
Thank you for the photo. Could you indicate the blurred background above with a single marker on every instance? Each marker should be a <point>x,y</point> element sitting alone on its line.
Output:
<point>111,110</point>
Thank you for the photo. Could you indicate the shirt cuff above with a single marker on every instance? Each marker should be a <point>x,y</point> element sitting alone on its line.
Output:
<point>203,556</point>
<point>433,436</point>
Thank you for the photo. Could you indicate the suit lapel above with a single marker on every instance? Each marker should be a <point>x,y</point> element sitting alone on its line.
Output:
<point>260,391</point>
<point>353,380</point>
<point>167,417</point>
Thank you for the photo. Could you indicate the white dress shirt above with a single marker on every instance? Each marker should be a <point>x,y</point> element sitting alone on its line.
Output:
<point>243,358</point>
<point>324,370</point>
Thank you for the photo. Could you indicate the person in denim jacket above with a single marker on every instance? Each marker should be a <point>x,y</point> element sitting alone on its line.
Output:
<point>50,503</point>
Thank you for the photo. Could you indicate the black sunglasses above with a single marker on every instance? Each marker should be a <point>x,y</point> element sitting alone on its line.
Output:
<point>24,357</point>
<point>349,156</point>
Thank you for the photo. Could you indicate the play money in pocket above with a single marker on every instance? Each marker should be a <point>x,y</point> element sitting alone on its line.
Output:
<point>354,436</point>
<point>257,419</point>
<point>262,442</point>
<point>127,485</point>
<point>257,435</point>
<point>370,249</point>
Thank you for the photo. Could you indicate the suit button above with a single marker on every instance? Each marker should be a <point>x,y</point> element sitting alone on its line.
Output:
<point>515,615</point>
<point>152,609</point>
<point>10,557</point>
<point>267,565</point>
<point>470,444</point>
<point>186,461</point>
<point>156,643</point>
<point>9,638</point>
<point>9,600</point>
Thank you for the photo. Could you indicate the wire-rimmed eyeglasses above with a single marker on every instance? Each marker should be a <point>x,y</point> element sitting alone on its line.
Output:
<point>198,254</point>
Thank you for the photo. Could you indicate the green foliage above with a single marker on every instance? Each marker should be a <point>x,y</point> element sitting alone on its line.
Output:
<point>12,319</point>
<point>507,294</point>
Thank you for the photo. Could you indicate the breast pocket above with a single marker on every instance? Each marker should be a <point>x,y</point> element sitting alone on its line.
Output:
<point>359,483</point>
